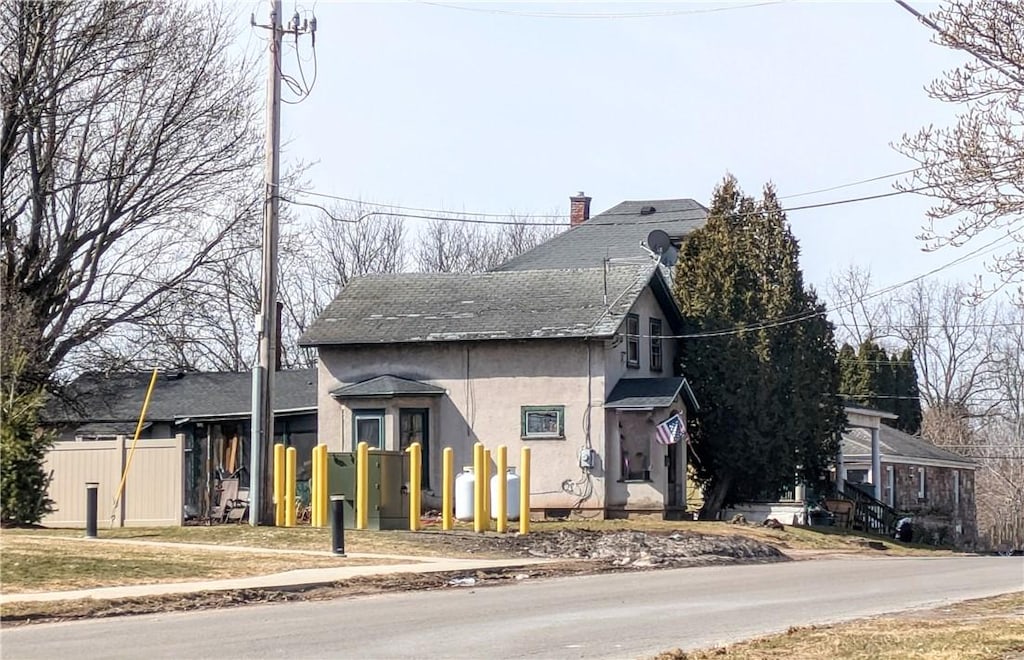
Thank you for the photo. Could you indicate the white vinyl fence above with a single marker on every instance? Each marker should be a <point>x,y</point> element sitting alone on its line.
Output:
<point>153,493</point>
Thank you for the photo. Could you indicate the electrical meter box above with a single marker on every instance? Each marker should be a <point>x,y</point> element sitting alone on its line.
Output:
<point>388,487</point>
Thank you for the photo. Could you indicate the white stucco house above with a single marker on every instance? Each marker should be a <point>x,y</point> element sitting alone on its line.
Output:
<point>567,349</point>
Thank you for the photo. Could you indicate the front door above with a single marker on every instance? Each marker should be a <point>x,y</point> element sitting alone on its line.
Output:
<point>413,426</point>
<point>675,483</point>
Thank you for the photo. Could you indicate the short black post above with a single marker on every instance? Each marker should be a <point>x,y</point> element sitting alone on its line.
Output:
<point>338,524</point>
<point>91,500</point>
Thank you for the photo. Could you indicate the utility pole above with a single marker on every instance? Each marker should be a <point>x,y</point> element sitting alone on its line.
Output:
<point>261,505</point>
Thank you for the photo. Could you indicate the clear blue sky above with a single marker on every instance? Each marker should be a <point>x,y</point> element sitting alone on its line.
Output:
<point>426,105</point>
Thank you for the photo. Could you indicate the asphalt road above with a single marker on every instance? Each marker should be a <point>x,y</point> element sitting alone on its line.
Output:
<point>623,615</point>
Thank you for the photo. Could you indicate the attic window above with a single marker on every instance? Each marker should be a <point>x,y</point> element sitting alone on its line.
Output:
<point>647,210</point>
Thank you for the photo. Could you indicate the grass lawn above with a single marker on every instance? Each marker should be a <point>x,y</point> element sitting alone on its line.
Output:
<point>34,563</point>
<point>39,560</point>
<point>984,628</point>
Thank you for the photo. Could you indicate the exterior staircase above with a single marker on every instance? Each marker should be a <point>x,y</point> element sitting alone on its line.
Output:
<point>869,514</point>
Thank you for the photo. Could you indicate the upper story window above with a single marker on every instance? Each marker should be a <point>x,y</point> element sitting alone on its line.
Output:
<point>633,341</point>
<point>656,360</point>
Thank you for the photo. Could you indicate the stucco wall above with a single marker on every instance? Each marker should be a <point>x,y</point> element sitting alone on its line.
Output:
<point>486,384</point>
<point>646,307</point>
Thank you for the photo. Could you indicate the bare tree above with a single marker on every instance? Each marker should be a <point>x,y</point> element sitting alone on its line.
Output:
<point>130,138</point>
<point>951,334</point>
<point>461,244</point>
<point>975,169</point>
<point>860,313</point>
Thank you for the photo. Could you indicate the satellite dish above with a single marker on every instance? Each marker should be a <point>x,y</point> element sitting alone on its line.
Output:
<point>661,245</point>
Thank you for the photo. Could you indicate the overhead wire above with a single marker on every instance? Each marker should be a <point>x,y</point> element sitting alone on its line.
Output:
<point>804,207</point>
<point>804,316</point>
<point>597,15</point>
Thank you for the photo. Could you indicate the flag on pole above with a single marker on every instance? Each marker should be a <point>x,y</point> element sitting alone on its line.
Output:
<point>671,431</point>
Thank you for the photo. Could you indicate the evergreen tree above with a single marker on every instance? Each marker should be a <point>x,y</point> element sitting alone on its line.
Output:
<point>23,447</point>
<point>874,379</point>
<point>908,405</point>
<point>768,407</point>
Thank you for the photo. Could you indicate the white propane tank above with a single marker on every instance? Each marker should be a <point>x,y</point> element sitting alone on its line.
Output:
<point>512,501</point>
<point>464,487</point>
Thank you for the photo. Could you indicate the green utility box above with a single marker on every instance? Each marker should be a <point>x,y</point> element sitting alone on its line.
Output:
<point>388,487</point>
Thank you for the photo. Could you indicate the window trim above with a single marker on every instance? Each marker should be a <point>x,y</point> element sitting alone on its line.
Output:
<point>367,413</point>
<point>655,340</point>
<point>524,412</point>
<point>922,491</point>
<point>633,339</point>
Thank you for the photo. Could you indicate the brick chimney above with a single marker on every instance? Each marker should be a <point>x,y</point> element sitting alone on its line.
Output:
<point>579,209</point>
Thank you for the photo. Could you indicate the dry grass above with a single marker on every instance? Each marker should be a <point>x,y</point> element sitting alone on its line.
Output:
<point>984,628</point>
<point>830,539</point>
<point>34,560</point>
<point>291,538</point>
<point>36,563</point>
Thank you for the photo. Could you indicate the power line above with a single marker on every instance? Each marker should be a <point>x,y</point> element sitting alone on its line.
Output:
<point>805,207</point>
<point>798,318</point>
<point>353,200</point>
<point>419,209</point>
<point>597,15</point>
<point>881,177</point>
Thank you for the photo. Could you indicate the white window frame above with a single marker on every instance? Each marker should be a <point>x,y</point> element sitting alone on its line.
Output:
<point>656,346</point>
<point>956,488</point>
<point>633,340</point>
<point>890,486</point>
<point>921,490</point>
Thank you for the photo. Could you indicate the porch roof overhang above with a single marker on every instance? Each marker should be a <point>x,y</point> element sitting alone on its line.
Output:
<point>240,415</point>
<point>648,393</point>
<point>109,428</point>
<point>386,387</point>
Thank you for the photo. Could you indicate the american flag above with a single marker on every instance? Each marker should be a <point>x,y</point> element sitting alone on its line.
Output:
<point>671,431</point>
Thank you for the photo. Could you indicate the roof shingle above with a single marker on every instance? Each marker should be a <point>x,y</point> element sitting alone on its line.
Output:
<point>431,307</point>
<point>615,234</point>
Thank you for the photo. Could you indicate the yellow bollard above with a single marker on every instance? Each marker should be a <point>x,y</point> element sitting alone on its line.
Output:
<point>279,485</point>
<point>501,515</point>
<point>314,489</point>
<point>524,491</point>
<point>478,488</point>
<point>415,485</point>
<point>291,455</point>
<point>447,488</point>
<point>324,490</point>
<point>487,488</point>
<point>362,486</point>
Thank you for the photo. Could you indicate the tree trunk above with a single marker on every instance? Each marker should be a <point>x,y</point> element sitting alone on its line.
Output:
<point>714,498</point>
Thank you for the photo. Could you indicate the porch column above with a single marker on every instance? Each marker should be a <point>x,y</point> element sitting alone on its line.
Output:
<point>876,465</point>
<point>840,470</point>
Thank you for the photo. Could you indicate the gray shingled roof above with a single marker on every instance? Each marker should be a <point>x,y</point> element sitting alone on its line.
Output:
<point>617,234</point>
<point>644,393</point>
<point>382,387</point>
<point>119,396</point>
<point>434,307</point>
<point>897,444</point>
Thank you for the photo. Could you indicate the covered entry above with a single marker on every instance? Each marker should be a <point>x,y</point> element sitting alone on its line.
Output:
<point>647,444</point>
<point>390,413</point>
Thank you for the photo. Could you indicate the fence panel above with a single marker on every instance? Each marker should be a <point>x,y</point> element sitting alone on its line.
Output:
<point>153,494</point>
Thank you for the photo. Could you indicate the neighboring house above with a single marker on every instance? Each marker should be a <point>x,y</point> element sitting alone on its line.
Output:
<point>934,486</point>
<point>212,410</point>
<point>916,478</point>
<point>557,351</point>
